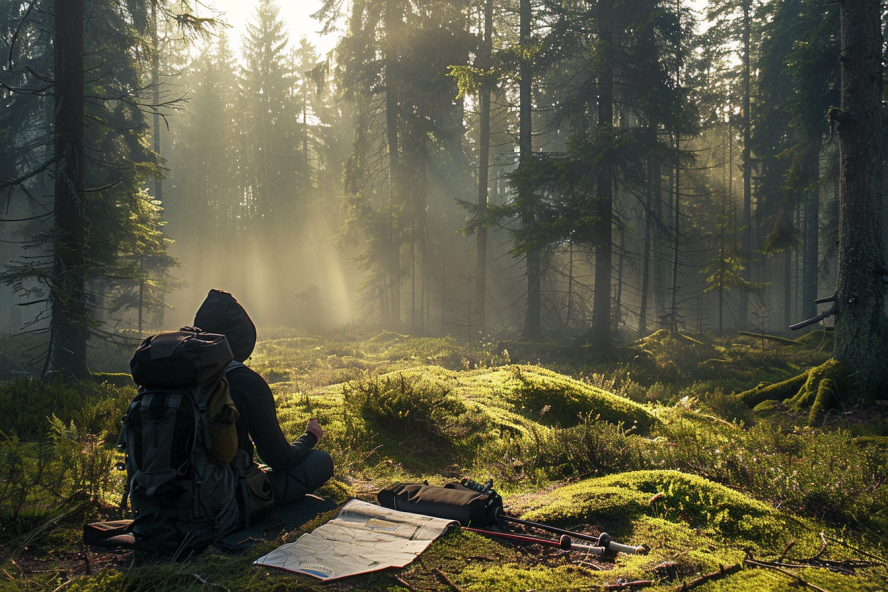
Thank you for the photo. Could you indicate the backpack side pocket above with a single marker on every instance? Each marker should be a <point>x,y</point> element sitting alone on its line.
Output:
<point>221,417</point>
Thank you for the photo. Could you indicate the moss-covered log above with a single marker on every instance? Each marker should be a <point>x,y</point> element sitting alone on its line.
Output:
<point>777,392</point>
<point>822,388</point>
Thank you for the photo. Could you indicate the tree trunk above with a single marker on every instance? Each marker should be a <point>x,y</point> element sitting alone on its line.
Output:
<point>812,219</point>
<point>646,256</point>
<point>533,329</point>
<point>158,180</point>
<point>787,287</point>
<point>659,238</point>
<point>570,278</point>
<point>618,300</point>
<point>673,309</point>
<point>70,317</point>
<point>743,313</point>
<point>395,189</point>
<point>861,325</point>
<point>483,172</point>
<point>600,335</point>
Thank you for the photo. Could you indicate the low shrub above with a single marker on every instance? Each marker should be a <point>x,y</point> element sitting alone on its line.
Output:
<point>26,407</point>
<point>415,419</point>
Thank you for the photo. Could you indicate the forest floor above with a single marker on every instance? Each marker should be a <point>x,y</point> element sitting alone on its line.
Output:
<point>654,449</point>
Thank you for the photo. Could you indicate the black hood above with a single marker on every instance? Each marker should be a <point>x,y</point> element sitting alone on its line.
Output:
<point>221,313</point>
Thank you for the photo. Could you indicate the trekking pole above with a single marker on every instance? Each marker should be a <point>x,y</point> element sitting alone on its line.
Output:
<point>564,542</point>
<point>603,540</point>
<point>553,529</point>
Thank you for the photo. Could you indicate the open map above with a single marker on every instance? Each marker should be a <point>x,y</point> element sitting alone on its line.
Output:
<point>363,538</point>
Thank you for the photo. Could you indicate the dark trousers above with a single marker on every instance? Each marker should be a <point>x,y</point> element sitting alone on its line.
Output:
<point>294,483</point>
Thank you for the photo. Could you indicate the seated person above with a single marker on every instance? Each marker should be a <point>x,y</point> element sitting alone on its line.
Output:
<point>295,468</point>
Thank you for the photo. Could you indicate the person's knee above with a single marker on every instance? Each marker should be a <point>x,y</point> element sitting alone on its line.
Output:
<point>321,467</point>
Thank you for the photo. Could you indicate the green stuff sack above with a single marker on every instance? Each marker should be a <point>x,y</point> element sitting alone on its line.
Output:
<point>221,415</point>
<point>451,502</point>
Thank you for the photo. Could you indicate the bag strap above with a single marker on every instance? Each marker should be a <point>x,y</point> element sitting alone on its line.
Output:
<point>158,434</point>
<point>164,344</point>
<point>233,365</point>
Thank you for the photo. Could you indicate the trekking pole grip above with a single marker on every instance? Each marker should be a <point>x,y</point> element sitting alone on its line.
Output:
<point>608,543</point>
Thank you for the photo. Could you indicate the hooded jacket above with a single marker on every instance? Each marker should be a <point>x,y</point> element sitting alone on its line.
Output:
<point>258,424</point>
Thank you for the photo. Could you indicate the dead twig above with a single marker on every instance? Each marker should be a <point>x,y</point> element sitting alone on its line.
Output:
<point>63,586</point>
<point>405,584</point>
<point>816,555</point>
<point>446,580</point>
<point>786,550</point>
<point>855,549</point>
<point>206,583</point>
<point>625,585</point>
<point>796,577</point>
<point>592,565</point>
<point>716,575</point>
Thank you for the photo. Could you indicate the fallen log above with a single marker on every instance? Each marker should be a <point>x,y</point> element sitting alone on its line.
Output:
<point>774,338</point>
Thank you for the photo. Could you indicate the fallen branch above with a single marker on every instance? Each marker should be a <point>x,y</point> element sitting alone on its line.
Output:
<point>445,579</point>
<point>405,584</point>
<point>861,551</point>
<point>64,585</point>
<point>782,340</point>
<point>206,583</point>
<point>796,577</point>
<point>625,585</point>
<point>716,575</point>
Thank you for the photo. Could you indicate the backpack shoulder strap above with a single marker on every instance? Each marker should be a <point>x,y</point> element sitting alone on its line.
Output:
<point>234,365</point>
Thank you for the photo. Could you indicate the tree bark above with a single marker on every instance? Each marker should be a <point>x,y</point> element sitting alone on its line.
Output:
<point>673,308</point>
<point>646,257</point>
<point>158,181</point>
<point>743,313</point>
<point>483,174</point>
<point>533,329</point>
<point>812,219</point>
<point>600,335</point>
<point>861,325</point>
<point>395,189</point>
<point>70,317</point>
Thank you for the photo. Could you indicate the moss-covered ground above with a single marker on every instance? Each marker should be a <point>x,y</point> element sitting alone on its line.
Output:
<point>681,446</point>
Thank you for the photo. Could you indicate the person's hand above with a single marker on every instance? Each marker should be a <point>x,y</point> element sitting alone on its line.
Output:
<point>315,428</point>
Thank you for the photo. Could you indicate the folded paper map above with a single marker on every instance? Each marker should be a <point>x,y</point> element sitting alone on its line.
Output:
<point>363,538</point>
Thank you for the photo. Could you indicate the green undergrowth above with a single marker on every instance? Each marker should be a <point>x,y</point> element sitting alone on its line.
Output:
<point>656,449</point>
<point>431,420</point>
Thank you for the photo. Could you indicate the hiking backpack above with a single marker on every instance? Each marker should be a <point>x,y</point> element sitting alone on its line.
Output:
<point>180,443</point>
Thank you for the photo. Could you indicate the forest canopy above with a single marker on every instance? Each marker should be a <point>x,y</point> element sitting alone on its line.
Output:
<point>553,170</point>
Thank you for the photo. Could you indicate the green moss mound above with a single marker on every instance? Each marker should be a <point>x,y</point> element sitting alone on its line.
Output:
<point>616,500</point>
<point>549,398</point>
